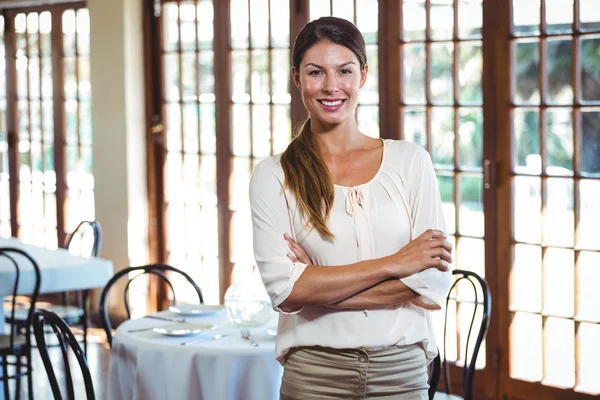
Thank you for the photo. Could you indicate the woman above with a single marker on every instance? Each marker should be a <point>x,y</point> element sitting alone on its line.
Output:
<point>348,238</point>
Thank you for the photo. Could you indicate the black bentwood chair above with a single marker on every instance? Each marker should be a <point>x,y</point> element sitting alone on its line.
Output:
<point>479,286</point>
<point>46,318</point>
<point>85,241</point>
<point>17,343</point>
<point>159,270</point>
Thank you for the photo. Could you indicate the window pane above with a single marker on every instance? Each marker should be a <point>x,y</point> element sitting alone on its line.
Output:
<point>413,20</point>
<point>470,138</point>
<point>259,23</point>
<point>590,73</point>
<point>367,19</point>
<point>414,125</point>
<point>526,279</point>
<point>559,212</point>
<point>559,353</point>
<point>446,184</point>
<point>442,137</point>
<point>526,17</point>
<point>526,64</point>
<point>589,14</point>
<point>442,82</point>
<point>413,82</point>
<point>559,282</point>
<point>471,206</point>
<point>470,18</point>
<point>589,214</point>
<point>559,54</point>
<point>442,19</point>
<point>588,275</point>
<point>526,347</point>
<point>590,142</point>
<point>527,203</point>
<point>559,141</point>
<point>526,128</point>
<point>559,16</point>
<point>319,8</point>
<point>239,24</point>
<point>469,74</point>
<point>589,354</point>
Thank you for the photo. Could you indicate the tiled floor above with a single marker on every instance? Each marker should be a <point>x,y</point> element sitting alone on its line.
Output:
<point>98,354</point>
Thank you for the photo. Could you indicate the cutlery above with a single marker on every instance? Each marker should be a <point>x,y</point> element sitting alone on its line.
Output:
<point>141,329</point>
<point>246,335</point>
<point>164,318</point>
<point>204,339</point>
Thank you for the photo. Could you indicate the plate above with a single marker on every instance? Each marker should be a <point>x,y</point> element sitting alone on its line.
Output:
<point>195,309</point>
<point>183,329</point>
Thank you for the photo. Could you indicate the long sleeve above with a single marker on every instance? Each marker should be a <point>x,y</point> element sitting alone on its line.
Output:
<point>270,220</point>
<point>426,213</point>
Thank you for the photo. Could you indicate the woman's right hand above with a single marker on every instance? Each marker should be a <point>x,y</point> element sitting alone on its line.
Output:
<point>430,250</point>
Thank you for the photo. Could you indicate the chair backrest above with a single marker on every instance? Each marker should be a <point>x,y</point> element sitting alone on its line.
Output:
<point>10,253</point>
<point>42,318</point>
<point>88,235</point>
<point>159,270</point>
<point>482,299</point>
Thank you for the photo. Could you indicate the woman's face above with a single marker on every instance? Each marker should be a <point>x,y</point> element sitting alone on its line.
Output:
<point>330,79</point>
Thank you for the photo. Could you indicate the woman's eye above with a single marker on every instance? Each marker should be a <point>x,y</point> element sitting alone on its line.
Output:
<point>346,71</point>
<point>315,72</point>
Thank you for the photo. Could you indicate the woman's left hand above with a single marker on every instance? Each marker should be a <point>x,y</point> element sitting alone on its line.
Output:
<point>296,253</point>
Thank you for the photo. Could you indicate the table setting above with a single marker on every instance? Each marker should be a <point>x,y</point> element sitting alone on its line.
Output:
<point>198,351</point>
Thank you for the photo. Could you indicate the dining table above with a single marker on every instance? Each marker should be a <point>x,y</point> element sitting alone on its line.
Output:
<point>150,360</point>
<point>60,271</point>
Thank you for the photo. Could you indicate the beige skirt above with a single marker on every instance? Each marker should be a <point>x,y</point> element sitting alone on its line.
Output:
<point>326,373</point>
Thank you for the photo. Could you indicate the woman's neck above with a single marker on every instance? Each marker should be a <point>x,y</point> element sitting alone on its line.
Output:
<point>337,139</point>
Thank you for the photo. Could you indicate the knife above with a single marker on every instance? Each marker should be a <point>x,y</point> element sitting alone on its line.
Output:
<point>163,318</point>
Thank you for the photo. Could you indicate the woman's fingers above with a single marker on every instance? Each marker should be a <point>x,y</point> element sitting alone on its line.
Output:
<point>432,234</point>
<point>441,253</point>
<point>421,303</point>
<point>297,252</point>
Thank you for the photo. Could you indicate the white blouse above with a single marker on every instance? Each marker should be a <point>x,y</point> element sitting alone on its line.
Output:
<point>372,220</point>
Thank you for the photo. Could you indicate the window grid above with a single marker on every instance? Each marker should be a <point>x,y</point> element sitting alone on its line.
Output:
<point>544,316</point>
<point>258,89</point>
<point>37,179</point>
<point>5,214</point>
<point>420,111</point>
<point>77,110</point>
<point>188,102</point>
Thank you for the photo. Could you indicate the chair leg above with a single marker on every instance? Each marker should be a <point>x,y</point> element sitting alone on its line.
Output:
<point>18,380</point>
<point>85,319</point>
<point>5,375</point>
<point>29,375</point>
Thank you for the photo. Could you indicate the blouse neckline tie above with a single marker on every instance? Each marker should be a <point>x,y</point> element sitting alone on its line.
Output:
<point>354,199</point>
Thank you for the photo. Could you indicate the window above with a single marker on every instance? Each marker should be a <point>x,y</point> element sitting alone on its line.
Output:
<point>45,144</point>
<point>441,109</point>
<point>554,317</point>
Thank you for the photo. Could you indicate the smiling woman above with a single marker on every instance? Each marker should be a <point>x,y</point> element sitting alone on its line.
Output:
<point>368,207</point>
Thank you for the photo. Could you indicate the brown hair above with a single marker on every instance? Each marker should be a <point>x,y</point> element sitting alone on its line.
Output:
<point>306,174</point>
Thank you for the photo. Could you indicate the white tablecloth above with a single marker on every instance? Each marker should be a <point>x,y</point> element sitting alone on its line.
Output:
<point>59,270</point>
<point>147,365</point>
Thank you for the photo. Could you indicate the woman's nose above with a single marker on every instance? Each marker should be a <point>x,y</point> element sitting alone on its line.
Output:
<point>331,85</point>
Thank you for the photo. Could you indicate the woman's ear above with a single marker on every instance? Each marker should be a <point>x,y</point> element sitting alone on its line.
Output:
<point>296,77</point>
<point>363,76</point>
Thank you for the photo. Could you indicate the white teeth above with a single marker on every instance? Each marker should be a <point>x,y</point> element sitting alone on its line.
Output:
<point>331,103</point>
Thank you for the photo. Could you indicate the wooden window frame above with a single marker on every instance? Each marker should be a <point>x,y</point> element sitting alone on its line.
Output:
<point>57,8</point>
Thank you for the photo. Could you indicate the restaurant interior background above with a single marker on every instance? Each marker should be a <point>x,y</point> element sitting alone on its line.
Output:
<point>150,115</point>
